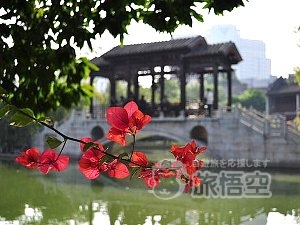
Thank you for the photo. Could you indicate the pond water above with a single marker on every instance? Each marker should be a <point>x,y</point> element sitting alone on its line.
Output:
<point>28,197</point>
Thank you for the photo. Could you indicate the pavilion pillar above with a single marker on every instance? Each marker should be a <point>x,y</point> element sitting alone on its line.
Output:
<point>136,87</point>
<point>162,84</point>
<point>229,90</point>
<point>182,88</point>
<point>153,88</point>
<point>201,87</point>
<point>216,95</point>
<point>297,102</point>
<point>267,105</point>
<point>113,97</point>
<point>91,98</point>
<point>129,92</point>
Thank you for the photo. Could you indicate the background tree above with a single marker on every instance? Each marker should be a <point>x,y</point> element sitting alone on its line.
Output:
<point>297,69</point>
<point>12,139</point>
<point>38,64</point>
<point>252,97</point>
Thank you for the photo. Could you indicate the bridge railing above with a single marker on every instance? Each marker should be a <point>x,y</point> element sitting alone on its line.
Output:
<point>268,125</point>
<point>253,119</point>
<point>293,131</point>
<point>99,111</point>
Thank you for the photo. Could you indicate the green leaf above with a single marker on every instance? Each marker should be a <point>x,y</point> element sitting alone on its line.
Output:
<point>124,155</point>
<point>88,90</point>
<point>4,110</point>
<point>53,142</point>
<point>105,158</point>
<point>2,91</point>
<point>45,119</point>
<point>22,118</point>
<point>91,65</point>
<point>89,145</point>
<point>134,171</point>
<point>197,16</point>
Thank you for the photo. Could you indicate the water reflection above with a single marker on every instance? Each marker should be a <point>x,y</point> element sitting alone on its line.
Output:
<point>32,215</point>
<point>100,215</point>
<point>68,199</point>
<point>275,217</point>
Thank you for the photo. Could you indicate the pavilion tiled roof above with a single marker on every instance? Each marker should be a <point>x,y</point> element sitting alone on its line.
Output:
<point>174,44</point>
<point>211,49</point>
<point>281,86</point>
<point>174,50</point>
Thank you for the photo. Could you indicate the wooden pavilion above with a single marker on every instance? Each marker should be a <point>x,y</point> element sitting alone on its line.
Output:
<point>283,97</point>
<point>179,57</point>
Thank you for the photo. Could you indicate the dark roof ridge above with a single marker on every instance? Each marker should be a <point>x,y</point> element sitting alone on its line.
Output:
<point>165,41</point>
<point>173,44</point>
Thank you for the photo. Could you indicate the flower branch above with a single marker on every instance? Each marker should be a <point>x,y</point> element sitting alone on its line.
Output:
<point>95,159</point>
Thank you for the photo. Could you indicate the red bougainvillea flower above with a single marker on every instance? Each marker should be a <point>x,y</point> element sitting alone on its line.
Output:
<point>152,175</point>
<point>117,169</point>
<point>151,178</point>
<point>98,146</point>
<point>187,154</point>
<point>192,181</point>
<point>50,160</point>
<point>127,120</point>
<point>89,164</point>
<point>138,159</point>
<point>29,158</point>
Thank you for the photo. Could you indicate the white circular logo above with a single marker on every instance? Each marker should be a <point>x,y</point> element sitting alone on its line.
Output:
<point>170,187</point>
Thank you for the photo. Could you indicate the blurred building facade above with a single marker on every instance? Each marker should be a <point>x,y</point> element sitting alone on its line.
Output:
<point>255,69</point>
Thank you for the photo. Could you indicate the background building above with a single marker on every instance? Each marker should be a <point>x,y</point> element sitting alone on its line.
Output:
<point>255,69</point>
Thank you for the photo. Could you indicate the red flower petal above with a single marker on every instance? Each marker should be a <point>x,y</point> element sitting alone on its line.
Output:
<point>93,155</point>
<point>151,182</point>
<point>139,158</point>
<point>89,140</point>
<point>62,163</point>
<point>186,154</point>
<point>131,107</point>
<point>88,168</point>
<point>50,160</point>
<point>46,161</point>
<point>86,140</point>
<point>89,163</point>
<point>196,181</point>
<point>29,158</point>
<point>138,120</point>
<point>117,117</point>
<point>116,136</point>
<point>118,170</point>
<point>190,169</point>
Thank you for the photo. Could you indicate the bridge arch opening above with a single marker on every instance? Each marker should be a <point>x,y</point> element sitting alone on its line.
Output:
<point>199,133</point>
<point>97,133</point>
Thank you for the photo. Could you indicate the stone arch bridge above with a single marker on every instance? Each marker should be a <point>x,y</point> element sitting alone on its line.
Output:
<point>239,134</point>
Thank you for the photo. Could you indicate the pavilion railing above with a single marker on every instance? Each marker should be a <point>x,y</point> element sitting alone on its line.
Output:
<point>99,111</point>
